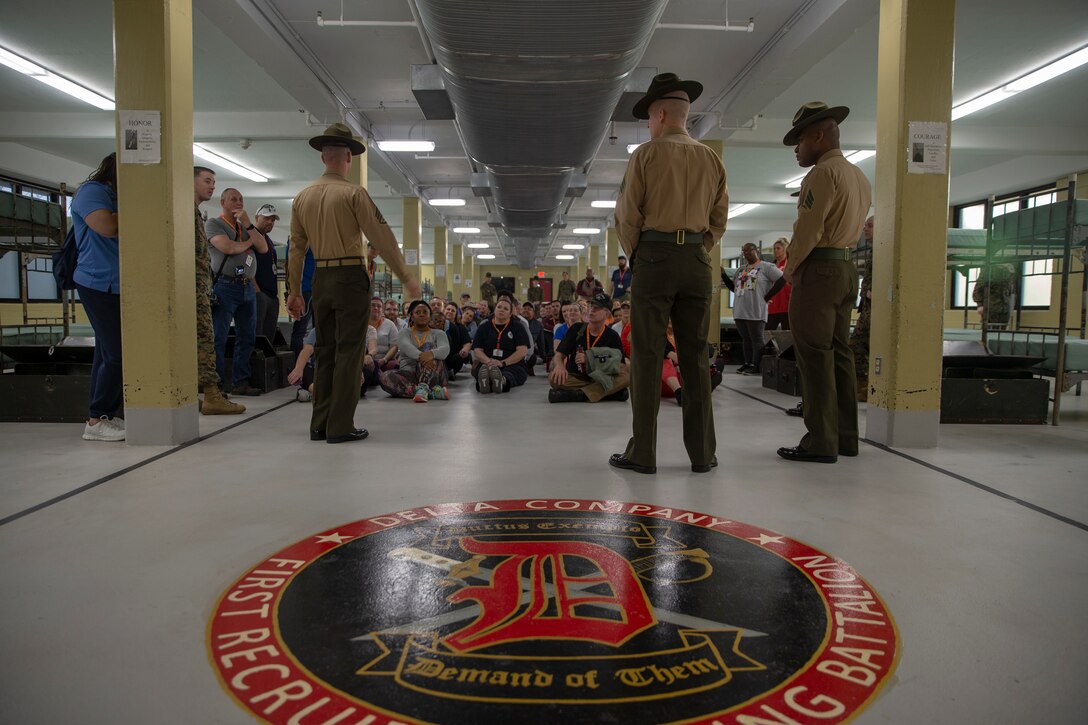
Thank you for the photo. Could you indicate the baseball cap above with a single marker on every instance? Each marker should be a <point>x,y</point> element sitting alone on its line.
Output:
<point>601,300</point>
<point>269,211</point>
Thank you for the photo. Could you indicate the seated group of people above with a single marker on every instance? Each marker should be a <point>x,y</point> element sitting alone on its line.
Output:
<point>586,356</point>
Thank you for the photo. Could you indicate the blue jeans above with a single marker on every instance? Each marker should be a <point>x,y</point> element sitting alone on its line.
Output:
<point>107,390</point>
<point>237,302</point>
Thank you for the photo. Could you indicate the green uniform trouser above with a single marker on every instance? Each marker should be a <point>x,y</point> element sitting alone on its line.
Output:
<point>670,281</point>
<point>341,304</point>
<point>593,390</point>
<point>824,291</point>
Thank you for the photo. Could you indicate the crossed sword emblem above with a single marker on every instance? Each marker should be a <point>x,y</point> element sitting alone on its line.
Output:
<point>464,570</point>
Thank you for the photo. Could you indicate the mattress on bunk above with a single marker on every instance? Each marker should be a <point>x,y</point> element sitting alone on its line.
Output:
<point>22,217</point>
<point>1011,343</point>
<point>1043,225</point>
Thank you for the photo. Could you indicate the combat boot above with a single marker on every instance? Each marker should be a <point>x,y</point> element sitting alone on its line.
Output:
<point>215,403</point>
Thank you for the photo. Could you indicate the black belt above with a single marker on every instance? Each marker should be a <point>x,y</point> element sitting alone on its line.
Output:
<point>235,280</point>
<point>836,253</point>
<point>680,236</point>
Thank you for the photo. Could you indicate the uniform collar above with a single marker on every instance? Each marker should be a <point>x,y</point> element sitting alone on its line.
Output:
<point>830,155</point>
<point>333,175</point>
<point>673,131</point>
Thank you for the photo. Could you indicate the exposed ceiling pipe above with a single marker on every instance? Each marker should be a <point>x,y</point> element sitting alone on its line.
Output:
<point>748,27</point>
<point>321,22</point>
<point>422,32</point>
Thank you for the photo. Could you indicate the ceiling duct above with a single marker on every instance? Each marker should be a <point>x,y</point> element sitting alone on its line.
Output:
<point>533,86</point>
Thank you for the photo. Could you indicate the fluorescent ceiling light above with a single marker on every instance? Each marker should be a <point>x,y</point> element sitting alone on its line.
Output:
<point>574,246</point>
<point>485,256</point>
<point>446,202</point>
<point>49,78</point>
<point>478,245</point>
<point>741,209</point>
<point>1023,83</point>
<point>395,146</point>
<point>853,157</point>
<point>632,146</point>
<point>226,164</point>
<point>603,204</point>
<point>564,256</point>
<point>586,230</point>
<point>466,230</point>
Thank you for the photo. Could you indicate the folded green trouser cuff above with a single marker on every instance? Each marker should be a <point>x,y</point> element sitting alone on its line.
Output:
<point>680,237</point>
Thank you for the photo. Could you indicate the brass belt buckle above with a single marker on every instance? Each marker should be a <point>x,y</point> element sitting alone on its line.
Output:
<point>680,236</point>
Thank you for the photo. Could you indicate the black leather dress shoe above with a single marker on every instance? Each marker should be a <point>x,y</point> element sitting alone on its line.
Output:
<point>849,454</point>
<point>357,435</point>
<point>317,435</point>
<point>798,411</point>
<point>797,453</point>
<point>704,467</point>
<point>618,460</point>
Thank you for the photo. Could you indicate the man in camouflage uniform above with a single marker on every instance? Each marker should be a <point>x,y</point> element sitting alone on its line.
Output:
<point>215,402</point>
<point>565,293</point>
<point>488,291</point>
<point>536,295</point>
<point>859,338</point>
<point>997,311</point>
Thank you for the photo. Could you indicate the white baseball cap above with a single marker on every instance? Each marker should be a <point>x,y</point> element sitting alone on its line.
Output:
<point>269,211</point>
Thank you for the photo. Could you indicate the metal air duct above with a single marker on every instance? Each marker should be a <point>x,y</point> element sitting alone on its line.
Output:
<point>533,86</point>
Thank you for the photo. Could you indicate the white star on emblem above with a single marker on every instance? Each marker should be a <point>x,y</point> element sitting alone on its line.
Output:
<point>336,538</point>
<point>763,539</point>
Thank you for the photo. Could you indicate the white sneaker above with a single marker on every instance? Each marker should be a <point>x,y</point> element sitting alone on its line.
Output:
<point>104,430</point>
<point>303,395</point>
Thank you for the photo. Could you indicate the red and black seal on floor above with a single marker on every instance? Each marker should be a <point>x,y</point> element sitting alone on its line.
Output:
<point>551,611</point>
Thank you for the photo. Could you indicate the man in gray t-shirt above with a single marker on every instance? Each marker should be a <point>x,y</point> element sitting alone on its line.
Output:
<point>753,286</point>
<point>232,241</point>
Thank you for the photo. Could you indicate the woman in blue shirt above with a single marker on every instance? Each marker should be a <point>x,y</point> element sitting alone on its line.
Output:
<point>98,279</point>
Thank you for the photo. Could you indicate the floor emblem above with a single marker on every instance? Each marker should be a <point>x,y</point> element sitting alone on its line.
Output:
<point>551,611</point>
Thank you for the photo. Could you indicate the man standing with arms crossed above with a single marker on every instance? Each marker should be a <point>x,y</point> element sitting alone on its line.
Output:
<point>831,208</point>
<point>215,402</point>
<point>331,215</point>
<point>671,211</point>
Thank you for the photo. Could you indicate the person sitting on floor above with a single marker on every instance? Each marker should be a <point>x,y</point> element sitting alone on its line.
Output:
<point>385,356</point>
<point>581,371</point>
<point>468,319</point>
<point>422,374</point>
<point>460,340</point>
<point>500,348</point>
<point>572,315</point>
<point>302,374</point>
<point>671,382</point>
<point>392,313</point>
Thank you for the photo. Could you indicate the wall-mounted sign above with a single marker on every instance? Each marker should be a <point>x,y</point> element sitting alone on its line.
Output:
<point>141,137</point>
<point>411,256</point>
<point>927,147</point>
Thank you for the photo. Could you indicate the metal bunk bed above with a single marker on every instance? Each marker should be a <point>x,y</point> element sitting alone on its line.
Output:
<point>1058,231</point>
<point>33,229</point>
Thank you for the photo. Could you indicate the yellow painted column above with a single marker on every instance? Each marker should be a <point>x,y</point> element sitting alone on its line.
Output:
<point>714,334</point>
<point>914,84</point>
<point>456,271</point>
<point>153,46</point>
<point>595,261</point>
<point>583,255</point>
<point>611,255</point>
<point>471,284</point>
<point>413,233</point>
<point>358,172</point>
<point>441,269</point>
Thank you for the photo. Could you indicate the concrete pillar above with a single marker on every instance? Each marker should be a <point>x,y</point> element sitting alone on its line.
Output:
<point>456,272</point>
<point>413,233</point>
<point>582,259</point>
<point>441,270</point>
<point>153,46</point>
<point>714,334</point>
<point>612,252</point>
<point>471,284</point>
<point>914,84</point>
<point>595,261</point>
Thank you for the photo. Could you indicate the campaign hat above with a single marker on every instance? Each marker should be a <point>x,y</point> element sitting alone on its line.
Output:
<point>809,114</point>
<point>338,134</point>
<point>666,85</point>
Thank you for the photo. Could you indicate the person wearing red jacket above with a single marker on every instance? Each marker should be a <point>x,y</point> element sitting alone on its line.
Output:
<point>778,309</point>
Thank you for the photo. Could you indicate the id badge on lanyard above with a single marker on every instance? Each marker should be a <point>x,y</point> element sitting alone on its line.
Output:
<point>497,352</point>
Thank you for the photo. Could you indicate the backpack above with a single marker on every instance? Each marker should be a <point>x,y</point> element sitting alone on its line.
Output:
<point>64,261</point>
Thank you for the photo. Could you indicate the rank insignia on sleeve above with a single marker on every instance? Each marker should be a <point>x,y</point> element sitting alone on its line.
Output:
<point>381,219</point>
<point>809,200</point>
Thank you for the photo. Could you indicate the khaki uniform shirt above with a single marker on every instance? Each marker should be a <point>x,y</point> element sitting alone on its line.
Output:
<point>672,182</point>
<point>835,197</point>
<point>330,215</point>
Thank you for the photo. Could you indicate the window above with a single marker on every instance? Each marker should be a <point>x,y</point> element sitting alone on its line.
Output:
<point>1035,283</point>
<point>40,282</point>
<point>9,276</point>
<point>963,288</point>
<point>735,263</point>
<point>972,217</point>
<point>1042,200</point>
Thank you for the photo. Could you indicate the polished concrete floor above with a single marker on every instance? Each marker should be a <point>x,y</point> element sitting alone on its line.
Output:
<point>112,558</point>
